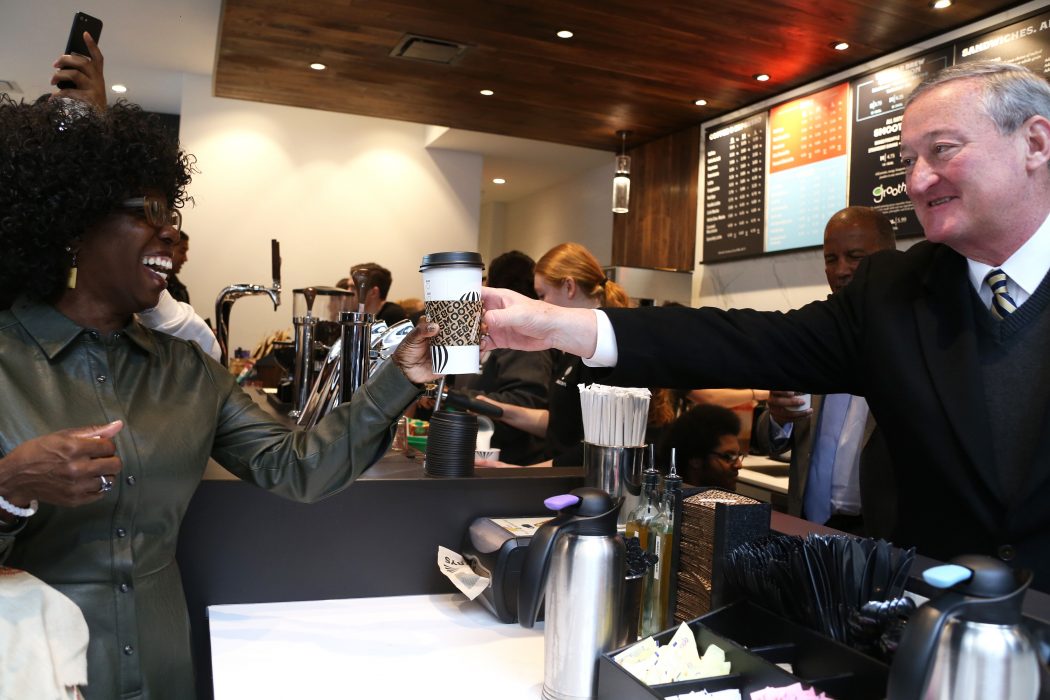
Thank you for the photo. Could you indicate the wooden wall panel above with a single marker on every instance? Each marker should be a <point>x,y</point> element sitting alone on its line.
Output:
<point>659,230</point>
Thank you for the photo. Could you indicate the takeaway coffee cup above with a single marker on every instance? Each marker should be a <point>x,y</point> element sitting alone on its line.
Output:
<point>452,299</point>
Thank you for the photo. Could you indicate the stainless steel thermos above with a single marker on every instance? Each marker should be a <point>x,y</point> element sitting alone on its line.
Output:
<point>575,567</point>
<point>968,642</point>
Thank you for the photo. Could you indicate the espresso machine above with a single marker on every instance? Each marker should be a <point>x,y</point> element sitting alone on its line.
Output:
<point>316,314</point>
<point>224,302</point>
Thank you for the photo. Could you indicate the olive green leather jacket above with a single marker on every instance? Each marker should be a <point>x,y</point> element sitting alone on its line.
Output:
<point>116,557</point>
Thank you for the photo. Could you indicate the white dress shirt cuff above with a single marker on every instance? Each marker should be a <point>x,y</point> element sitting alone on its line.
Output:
<point>605,351</point>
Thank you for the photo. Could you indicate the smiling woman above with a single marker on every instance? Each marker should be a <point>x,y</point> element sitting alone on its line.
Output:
<point>94,481</point>
<point>70,179</point>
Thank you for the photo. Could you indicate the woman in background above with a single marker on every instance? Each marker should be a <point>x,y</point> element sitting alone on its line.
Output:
<point>514,377</point>
<point>569,275</point>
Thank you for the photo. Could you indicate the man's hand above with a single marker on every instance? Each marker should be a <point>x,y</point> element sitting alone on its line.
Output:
<point>413,353</point>
<point>512,320</point>
<point>63,468</point>
<point>493,463</point>
<point>86,73</point>
<point>781,404</point>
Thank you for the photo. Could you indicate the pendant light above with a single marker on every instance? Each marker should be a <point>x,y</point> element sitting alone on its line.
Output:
<point>622,179</point>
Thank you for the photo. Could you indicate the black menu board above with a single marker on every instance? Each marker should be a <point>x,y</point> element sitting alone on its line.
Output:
<point>876,177</point>
<point>734,189</point>
<point>1026,42</point>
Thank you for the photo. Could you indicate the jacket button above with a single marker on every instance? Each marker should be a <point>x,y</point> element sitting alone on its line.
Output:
<point>101,379</point>
<point>128,650</point>
<point>121,532</point>
<point>130,480</point>
<point>1006,552</point>
<point>124,588</point>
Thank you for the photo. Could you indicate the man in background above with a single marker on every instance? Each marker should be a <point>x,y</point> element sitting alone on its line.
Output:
<point>376,287</point>
<point>841,475</point>
<point>180,254</point>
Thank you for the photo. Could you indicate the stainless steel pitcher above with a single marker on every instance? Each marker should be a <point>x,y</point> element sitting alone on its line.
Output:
<point>968,642</point>
<point>575,566</point>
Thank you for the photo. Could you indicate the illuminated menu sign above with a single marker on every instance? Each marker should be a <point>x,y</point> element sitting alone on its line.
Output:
<point>876,174</point>
<point>1026,43</point>
<point>734,189</point>
<point>807,167</point>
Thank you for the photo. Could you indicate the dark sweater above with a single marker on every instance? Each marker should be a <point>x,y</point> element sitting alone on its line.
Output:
<point>1016,377</point>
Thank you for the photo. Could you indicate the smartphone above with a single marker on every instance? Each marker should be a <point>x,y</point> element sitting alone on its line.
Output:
<point>82,22</point>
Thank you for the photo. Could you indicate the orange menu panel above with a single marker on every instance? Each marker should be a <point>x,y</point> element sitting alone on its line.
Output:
<point>809,129</point>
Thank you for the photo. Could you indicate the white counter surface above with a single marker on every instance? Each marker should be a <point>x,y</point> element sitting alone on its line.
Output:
<point>427,646</point>
<point>765,473</point>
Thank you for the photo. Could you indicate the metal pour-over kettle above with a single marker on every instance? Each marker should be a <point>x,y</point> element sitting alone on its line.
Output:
<point>968,642</point>
<point>575,563</point>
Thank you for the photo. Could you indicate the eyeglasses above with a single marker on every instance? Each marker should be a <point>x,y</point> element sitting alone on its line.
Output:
<point>729,457</point>
<point>156,210</point>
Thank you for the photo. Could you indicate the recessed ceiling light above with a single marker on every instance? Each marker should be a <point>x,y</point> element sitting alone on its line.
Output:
<point>940,4</point>
<point>486,92</point>
<point>699,103</point>
<point>839,45</point>
<point>119,88</point>
<point>498,181</point>
<point>564,34</point>
<point>761,77</point>
<point>318,66</point>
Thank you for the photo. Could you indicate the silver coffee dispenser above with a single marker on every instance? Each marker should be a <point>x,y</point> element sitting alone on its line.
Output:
<point>575,566</point>
<point>315,317</point>
<point>968,642</point>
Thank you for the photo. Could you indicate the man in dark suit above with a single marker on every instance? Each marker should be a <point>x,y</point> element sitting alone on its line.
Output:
<point>840,473</point>
<point>948,341</point>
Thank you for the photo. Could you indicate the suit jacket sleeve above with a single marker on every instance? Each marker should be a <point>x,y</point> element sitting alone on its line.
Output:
<point>816,348</point>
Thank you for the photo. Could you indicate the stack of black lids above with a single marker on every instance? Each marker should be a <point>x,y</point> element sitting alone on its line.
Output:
<point>451,441</point>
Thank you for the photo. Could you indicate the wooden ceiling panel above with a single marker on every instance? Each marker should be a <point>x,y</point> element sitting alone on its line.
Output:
<point>631,65</point>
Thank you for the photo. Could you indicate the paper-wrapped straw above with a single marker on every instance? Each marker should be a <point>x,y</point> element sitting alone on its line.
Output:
<point>614,416</point>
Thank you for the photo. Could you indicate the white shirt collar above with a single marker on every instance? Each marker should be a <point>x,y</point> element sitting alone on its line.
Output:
<point>1026,267</point>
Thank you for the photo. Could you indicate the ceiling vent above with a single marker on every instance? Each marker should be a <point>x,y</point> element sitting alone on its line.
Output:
<point>425,48</point>
<point>10,87</point>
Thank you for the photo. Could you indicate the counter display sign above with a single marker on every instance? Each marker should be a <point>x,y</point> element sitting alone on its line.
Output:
<point>876,176</point>
<point>1026,43</point>
<point>807,167</point>
<point>734,189</point>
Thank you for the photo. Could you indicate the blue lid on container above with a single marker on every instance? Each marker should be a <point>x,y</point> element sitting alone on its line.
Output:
<point>455,258</point>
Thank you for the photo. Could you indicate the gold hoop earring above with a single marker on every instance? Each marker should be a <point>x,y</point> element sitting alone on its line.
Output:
<point>71,280</point>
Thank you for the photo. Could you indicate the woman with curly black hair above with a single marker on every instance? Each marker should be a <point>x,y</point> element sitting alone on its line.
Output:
<point>107,426</point>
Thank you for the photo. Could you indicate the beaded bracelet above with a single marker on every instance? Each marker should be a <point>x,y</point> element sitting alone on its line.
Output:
<point>16,511</point>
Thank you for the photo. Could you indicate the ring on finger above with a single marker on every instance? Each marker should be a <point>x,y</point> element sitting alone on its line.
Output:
<point>106,484</point>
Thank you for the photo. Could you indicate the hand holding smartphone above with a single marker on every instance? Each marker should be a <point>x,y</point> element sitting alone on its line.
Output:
<point>82,22</point>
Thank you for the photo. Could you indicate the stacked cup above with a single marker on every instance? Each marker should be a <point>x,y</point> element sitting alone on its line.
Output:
<point>450,444</point>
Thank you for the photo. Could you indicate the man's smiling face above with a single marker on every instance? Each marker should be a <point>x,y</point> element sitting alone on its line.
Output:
<point>964,177</point>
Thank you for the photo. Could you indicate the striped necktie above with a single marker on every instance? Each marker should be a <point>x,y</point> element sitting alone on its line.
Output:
<point>1002,303</point>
